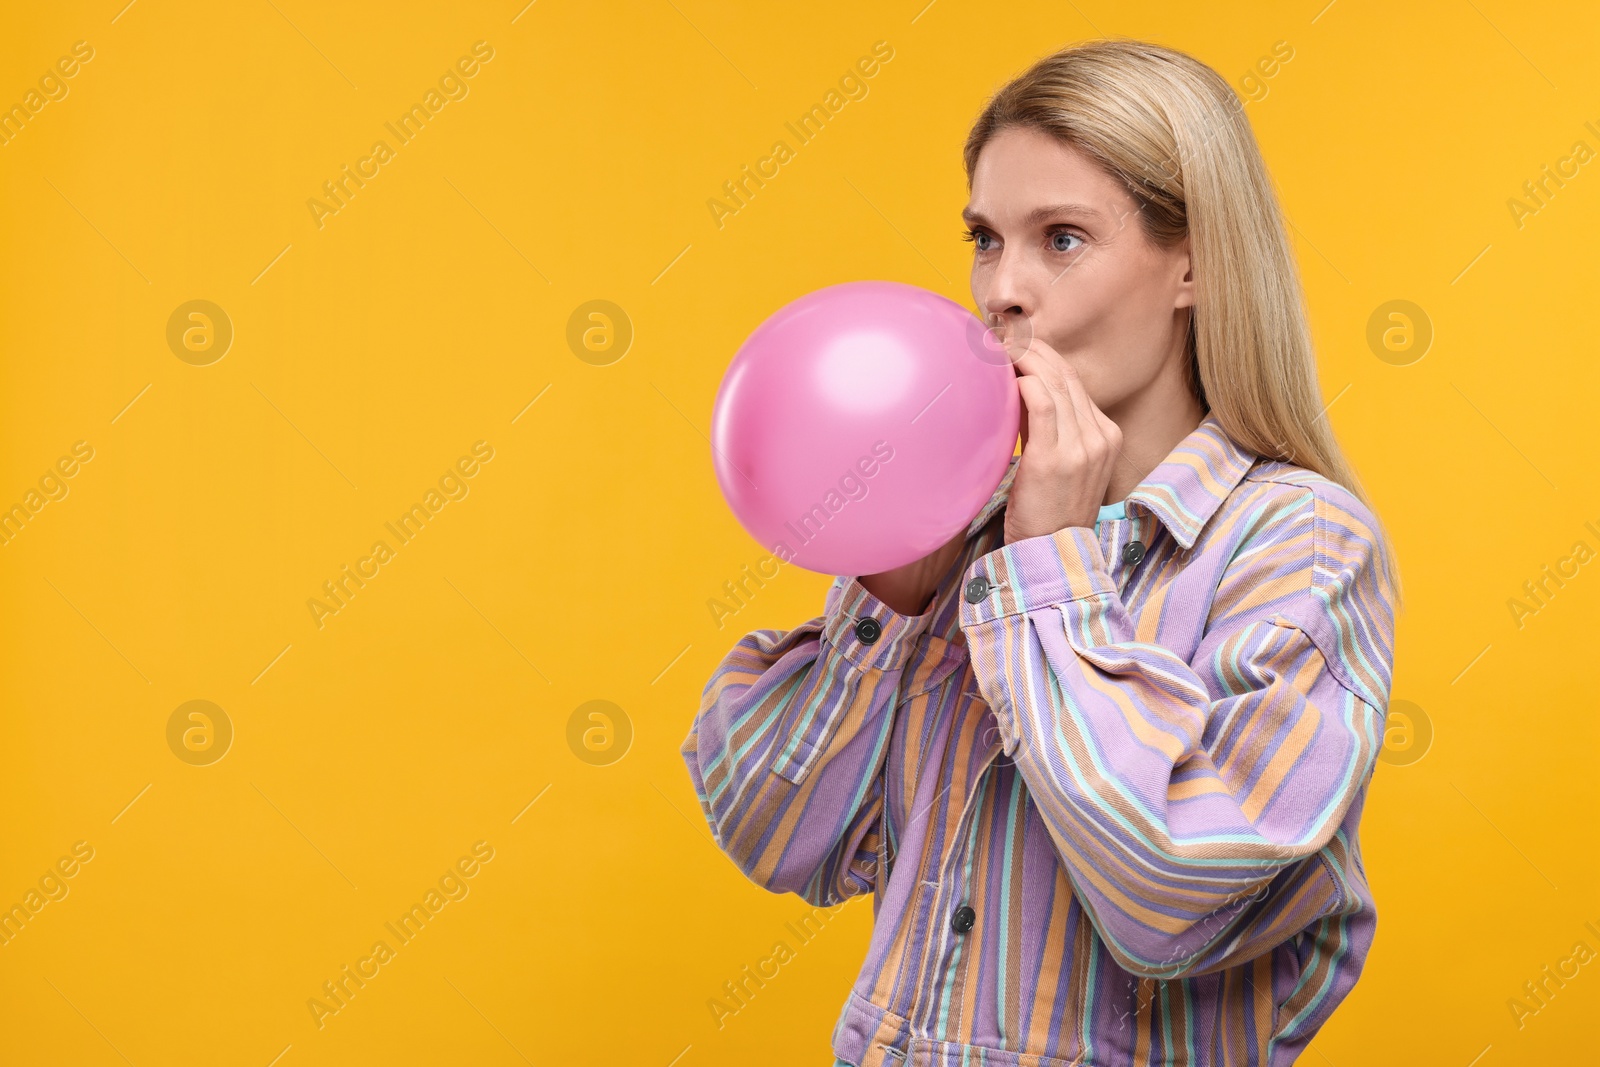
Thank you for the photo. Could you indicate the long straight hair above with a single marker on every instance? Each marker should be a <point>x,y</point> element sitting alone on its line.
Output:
<point>1173,131</point>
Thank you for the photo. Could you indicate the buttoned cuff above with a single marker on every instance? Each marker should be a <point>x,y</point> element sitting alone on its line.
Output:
<point>866,631</point>
<point>1034,573</point>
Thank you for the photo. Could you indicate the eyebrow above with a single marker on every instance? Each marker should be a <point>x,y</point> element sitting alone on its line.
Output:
<point>1040,214</point>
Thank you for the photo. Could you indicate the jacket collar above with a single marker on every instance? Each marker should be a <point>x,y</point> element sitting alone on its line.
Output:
<point>1183,491</point>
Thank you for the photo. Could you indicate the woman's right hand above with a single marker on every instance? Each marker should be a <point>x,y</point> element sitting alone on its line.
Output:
<point>907,590</point>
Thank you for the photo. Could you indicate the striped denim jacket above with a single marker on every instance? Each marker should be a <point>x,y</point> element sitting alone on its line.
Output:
<point>1105,791</point>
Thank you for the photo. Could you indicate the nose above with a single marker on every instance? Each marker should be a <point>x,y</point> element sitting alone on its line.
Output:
<point>1005,307</point>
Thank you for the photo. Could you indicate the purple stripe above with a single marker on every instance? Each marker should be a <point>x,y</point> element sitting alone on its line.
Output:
<point>1189,738</point>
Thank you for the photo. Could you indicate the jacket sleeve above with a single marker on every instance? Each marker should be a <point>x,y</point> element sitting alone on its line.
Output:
<point>1192,803</point>
<point>786,752</point>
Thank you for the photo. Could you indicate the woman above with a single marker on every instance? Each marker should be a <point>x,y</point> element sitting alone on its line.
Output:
<point>1101,759</point>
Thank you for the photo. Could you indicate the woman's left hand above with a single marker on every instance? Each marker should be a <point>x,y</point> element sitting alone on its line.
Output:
<point>1069,447</point>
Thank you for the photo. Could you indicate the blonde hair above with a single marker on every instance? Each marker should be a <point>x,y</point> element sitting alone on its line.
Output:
<point>1173,131</point>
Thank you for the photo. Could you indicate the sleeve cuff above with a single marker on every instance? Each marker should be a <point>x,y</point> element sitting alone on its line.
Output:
<point>866,631</point>
<point>1034,573</point>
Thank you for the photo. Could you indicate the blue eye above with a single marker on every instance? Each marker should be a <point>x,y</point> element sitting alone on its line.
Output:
<point>1059,236</point>
<point>976,236</point>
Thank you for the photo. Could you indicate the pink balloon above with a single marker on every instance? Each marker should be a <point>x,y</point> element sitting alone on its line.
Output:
<point>861,426</point>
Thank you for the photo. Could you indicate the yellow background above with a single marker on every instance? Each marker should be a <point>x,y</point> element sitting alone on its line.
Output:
<point>370,353</point>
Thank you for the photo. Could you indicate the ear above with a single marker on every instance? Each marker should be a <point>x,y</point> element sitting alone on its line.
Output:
<point>1183,274</point>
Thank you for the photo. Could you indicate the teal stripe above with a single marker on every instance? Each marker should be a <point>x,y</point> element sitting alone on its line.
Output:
<point>947,987</point>
<point>1087,804</point>
<point>1007,867</point>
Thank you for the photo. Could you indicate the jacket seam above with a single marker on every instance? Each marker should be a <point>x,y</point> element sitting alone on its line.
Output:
<point>1044,605</point>
<point>1335,665</point>
<point>1333,875</point>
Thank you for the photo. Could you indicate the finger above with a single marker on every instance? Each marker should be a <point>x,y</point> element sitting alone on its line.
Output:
<point>1075,426</point>
<point>1083,420</point>
<point>1038,358</point>
<point>1043,413</point>
<point>1108,430</point>
<point>1101,436</point>
<point>1039,363</point>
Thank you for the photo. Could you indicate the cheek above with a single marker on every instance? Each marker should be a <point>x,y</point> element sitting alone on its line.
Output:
<point>1142,341</point>
<point>1142,300</point>
<point>1141,329</point>
<point>1114,338</point>
<point>1086,310</point>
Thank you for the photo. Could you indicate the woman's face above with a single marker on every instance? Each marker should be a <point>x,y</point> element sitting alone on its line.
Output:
<point>1059,253</point>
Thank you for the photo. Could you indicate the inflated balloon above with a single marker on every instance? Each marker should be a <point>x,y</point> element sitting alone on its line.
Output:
<point>862,426</point>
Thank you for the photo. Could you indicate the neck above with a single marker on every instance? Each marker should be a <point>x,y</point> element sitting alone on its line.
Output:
<point>1152,423</point>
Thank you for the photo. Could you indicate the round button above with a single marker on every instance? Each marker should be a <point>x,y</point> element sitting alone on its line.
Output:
<point>977,589</point>
<point>1132,552</point>
<point>868,630</point>
<point>963,919</point>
